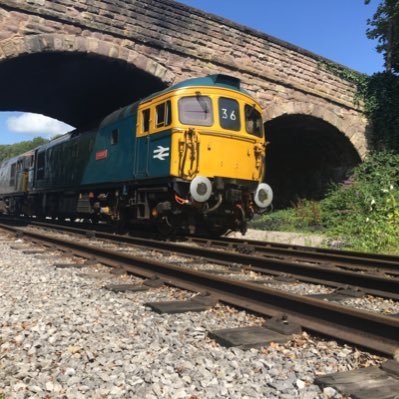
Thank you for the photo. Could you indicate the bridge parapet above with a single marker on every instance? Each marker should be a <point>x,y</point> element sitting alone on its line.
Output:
<point>166,31</point>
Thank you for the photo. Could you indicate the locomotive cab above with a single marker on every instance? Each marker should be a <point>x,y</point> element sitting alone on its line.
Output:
<point>213,152</point>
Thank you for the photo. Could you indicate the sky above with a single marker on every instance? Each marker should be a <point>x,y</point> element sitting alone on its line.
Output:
<point>335,29</point>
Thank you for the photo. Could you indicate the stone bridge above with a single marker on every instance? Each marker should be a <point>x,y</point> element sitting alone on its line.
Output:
<point>77,60</point>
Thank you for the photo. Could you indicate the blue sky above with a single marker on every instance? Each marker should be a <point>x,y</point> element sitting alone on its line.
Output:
<point>334,29</point>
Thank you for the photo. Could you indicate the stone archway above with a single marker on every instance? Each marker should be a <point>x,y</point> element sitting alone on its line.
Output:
<point>75,79</point>
<point>308,151</point>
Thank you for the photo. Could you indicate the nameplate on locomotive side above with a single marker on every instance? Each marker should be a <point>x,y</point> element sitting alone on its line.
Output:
<point>101,154</point>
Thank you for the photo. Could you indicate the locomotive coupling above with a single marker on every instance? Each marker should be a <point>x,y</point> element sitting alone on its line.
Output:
<point>263,195</point>
<point>200,189</point>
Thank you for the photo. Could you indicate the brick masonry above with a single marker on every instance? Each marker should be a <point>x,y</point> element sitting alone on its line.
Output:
<point>173,42</point>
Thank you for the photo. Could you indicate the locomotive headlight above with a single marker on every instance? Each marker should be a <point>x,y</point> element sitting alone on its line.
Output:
<point>263,195</point>
<point>200,189</point>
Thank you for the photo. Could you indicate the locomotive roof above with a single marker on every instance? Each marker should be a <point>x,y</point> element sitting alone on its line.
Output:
<point>219,80</point>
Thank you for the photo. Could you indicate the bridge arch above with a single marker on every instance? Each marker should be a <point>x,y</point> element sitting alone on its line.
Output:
<point>310,147</point>
<point>75,79</point>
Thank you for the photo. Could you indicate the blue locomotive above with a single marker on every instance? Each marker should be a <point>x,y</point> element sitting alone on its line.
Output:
<point>189,157</point>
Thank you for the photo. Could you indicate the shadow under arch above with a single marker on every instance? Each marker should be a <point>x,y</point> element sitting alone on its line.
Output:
<point>74,79</point>
<point>306,154</point>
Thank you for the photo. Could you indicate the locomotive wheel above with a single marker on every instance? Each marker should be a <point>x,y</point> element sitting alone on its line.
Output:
<point>165,227</point>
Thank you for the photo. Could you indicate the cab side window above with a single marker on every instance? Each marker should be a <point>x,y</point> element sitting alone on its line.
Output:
<point>145,127</point>
<point>40,166</point>
<point>13,173</point>
<point>163,114</point>
<point>114,136</point>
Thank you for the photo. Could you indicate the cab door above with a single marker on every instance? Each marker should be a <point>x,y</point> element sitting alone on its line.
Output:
<point>142,144</point>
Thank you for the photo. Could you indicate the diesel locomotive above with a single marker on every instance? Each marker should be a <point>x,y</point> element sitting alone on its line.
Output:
<point>188,158</point>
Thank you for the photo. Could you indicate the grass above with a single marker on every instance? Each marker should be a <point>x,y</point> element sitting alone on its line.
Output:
<point>305,217</point>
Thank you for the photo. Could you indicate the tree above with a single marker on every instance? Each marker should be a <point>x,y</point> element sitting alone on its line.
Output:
<point>384,26</point>
<point>11,150</point>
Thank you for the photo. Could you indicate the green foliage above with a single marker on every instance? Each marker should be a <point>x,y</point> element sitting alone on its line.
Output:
<point>281,220</point>
<point>366,214</point>
<point>381,90</point>
<point>304,216</point>
<point>380,94</point>
<point>355,77</point>
<point>11,150</point>
<point>384,26</point>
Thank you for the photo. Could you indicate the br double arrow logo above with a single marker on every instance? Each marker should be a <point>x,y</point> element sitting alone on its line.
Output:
<point>160,153</point>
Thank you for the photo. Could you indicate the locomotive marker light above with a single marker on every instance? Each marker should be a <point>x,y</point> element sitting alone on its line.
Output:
<point>263,196</point>
<point>200,189</point>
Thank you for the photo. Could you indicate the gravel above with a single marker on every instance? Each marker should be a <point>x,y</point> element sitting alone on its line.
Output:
<point>63,336</point>
<point>301,288</point>
<point>373,304</point>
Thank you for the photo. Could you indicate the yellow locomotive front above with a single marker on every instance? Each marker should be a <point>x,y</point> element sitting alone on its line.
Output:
<point>218,145</point>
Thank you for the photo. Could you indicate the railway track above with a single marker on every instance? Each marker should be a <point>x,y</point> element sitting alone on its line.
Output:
<point>372,279</point>
<point>374,331</point>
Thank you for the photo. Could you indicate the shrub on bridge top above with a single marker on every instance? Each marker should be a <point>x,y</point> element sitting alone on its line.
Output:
<point>380,93</point>
<point>366,212</point>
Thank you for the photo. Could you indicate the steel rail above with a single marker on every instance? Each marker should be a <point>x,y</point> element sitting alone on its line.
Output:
<point>374,284</point>
<point>323,256</point>
<point>311,254</point>
<point>354,261</point>
<point>376,332</point>
<point>266,245</point>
